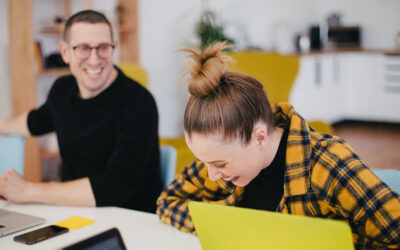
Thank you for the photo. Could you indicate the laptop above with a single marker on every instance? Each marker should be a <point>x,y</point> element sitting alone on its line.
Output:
<point>11,222</point>
<point>108,240</point>
<point>225,227</point>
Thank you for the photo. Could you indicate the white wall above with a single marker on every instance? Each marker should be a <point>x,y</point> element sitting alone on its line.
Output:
<point>163,28</point>
<point>5,92</point>
<point>265,20</point>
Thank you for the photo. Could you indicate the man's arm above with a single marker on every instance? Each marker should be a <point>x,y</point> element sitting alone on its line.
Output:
<point>15,125</point>
<point>73,193</point>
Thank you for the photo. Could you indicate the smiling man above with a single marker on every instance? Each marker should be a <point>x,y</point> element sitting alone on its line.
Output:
<point>106,125</point>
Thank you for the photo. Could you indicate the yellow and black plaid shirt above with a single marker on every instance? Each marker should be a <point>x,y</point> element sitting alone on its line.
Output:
<point>323,178</point>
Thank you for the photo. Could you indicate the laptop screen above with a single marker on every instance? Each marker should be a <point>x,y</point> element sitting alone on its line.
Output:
<point>108,240</point>
<point>234,228</point>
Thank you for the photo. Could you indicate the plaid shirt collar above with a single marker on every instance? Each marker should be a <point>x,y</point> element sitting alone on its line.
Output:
<point>298,154</point>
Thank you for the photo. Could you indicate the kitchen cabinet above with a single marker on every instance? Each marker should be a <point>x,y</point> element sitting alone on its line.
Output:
<point>348,85</point>
<point>385,98</point>
<point>318,90</point>
<point>358,85</point>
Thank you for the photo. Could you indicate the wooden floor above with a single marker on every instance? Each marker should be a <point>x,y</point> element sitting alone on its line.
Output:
<point>377,144</point>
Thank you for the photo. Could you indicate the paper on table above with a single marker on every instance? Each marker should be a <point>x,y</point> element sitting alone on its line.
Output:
<point>75,222</point>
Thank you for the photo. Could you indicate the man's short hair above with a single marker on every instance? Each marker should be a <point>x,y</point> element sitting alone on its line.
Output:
<point>85,16</point>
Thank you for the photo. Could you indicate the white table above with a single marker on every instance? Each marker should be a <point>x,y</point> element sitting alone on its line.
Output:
<point>139,230</point>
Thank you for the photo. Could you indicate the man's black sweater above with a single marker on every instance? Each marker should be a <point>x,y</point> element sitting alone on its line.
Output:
<point>111,138</point>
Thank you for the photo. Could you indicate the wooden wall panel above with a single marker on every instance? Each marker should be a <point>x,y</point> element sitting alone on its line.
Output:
<point>22,75</point>
<point>129,32</point>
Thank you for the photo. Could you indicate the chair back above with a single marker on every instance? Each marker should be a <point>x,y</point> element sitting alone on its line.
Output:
<point>275,72</point>
<point>12,150</point>
<point>389,176</point>
<point>135,72</point>
<point>167,164</point>
<point>184,156</point>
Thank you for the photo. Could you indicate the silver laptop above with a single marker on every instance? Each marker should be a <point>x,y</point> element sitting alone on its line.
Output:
<point>11,222</point>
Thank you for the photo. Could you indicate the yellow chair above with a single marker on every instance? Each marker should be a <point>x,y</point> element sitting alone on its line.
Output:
<point>277,73</point>
<point>135,72</point>
<point>184,155</point>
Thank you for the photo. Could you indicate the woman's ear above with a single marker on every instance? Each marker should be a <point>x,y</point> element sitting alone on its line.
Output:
<point>260,136</point>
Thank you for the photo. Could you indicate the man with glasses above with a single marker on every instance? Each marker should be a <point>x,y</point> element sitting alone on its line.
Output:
<point>106,125</point>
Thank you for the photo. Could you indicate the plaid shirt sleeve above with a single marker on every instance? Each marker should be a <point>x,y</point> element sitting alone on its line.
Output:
<point>357,194</point>
<point>192,184</point>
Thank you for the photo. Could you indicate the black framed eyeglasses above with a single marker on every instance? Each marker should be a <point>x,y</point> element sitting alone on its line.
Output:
<point>103,50</point>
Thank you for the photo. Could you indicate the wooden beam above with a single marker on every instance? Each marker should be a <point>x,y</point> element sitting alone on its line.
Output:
<point>67,9</point>
<point>22,75</point>
<point>129,31</point>
<point>88,4</point>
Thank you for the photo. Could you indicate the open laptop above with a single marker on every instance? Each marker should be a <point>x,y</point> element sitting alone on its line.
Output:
<point>108,240</point>
<point>11,222</point>
<point>225,227</point>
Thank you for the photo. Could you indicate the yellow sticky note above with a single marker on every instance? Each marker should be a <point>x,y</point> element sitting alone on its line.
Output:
<point>75,222</point>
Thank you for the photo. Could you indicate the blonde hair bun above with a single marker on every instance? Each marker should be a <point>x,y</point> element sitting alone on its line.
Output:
<point>206,68</point>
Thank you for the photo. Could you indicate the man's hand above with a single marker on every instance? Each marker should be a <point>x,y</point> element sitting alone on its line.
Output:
<point>13,187</point>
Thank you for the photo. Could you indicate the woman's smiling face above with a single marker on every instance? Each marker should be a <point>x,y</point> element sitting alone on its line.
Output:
<point>230,160</point>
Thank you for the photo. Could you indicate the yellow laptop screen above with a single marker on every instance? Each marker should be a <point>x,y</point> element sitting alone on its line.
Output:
<point>224,227</point>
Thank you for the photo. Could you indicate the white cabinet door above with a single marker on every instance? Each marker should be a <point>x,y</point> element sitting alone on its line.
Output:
<point>333,98</point>
<point>318,93</point>
<point>356,86</point>
<point>358,78</point>
<point>385,103</point>
<point>304,95</point>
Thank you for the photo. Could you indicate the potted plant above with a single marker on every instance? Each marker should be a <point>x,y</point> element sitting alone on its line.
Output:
<point>210,31</point>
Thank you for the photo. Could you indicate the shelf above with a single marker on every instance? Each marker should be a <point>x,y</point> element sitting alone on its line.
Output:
<point>127,29</point>
<point>58,30</point>
<point>55,71</point>
<point>49,154</point>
